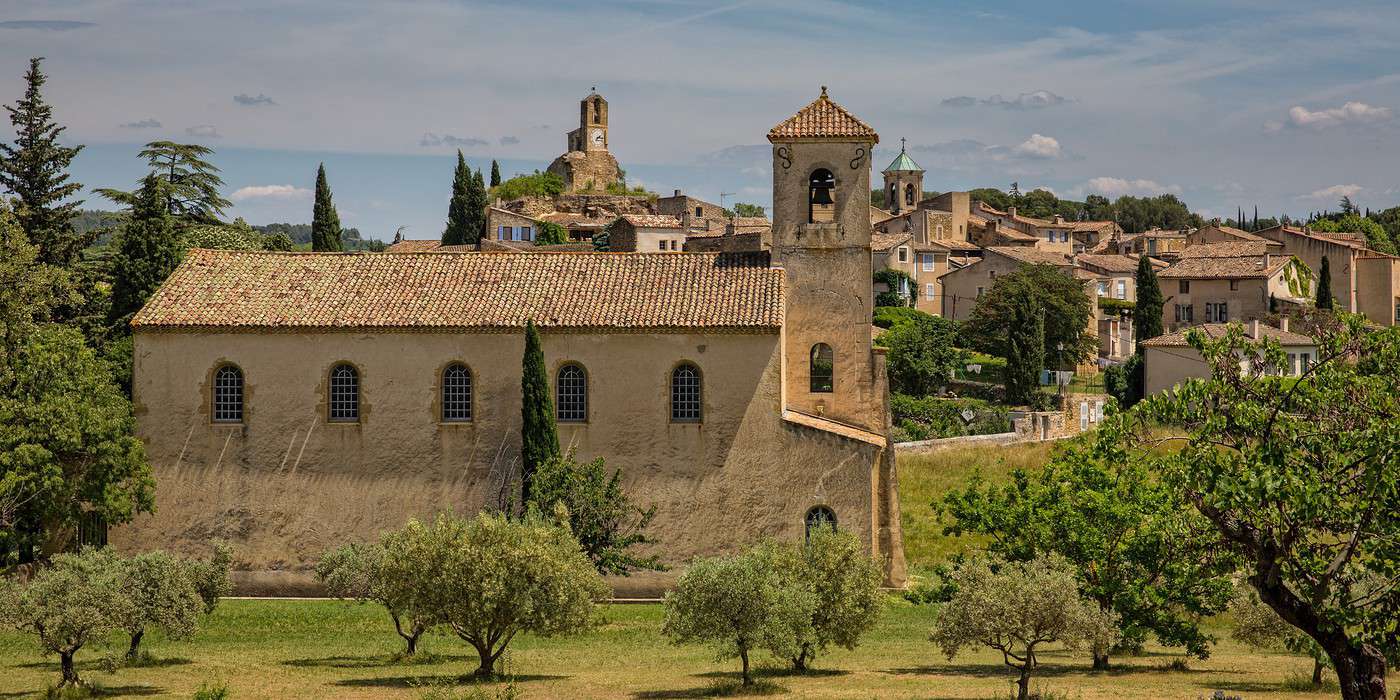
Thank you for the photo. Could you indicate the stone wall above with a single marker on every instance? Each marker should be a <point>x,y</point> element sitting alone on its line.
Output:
<point>586,170</point>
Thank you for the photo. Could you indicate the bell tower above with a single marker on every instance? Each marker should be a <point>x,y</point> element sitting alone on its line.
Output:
<point>593,122</point>
<point>821,239</point>
<point>904,183</point>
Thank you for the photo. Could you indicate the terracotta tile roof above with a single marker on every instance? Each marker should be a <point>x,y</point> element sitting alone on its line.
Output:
<point>651,220</point>
<point>948,244</point>
<point>1160,233</point>
<point>1223,268</point>
<point>1109,263</point>
<point>1031,256</point>
<point>823,119</point>
<point>1091,225</point>
<point>1216,330</point>
<point>885,241</point>
<point>412,246</point>
<point>1240,234</point>
<point>220,289</point>
<point>1237,249</point>
<point>751,222</point>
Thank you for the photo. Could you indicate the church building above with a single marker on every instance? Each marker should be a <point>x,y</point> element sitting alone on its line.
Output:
<point>293,402</point>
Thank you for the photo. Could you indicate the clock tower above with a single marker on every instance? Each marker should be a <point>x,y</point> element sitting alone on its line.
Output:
<point>587,166</point>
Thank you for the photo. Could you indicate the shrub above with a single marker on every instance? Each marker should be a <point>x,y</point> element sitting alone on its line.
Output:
<point>77,598</point>
<point>1014,607</point>
<point>891,316</point>
<point>211,575</point>
<point>391,573</point>
<point>922,357</point>
<point>740,603</point>
<point>551,233</point>
<point>536,184</point>
<point>212,690</point>
<point>930,418</point>
<point>601,516</point>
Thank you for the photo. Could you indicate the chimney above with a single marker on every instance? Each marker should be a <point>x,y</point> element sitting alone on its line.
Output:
<point>1011,211</point>
<point>1283,323</point>
<point>1254,329</point>
<point>677,194</point>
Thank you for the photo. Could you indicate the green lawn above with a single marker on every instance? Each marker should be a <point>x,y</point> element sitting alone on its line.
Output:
<point>316,649</point>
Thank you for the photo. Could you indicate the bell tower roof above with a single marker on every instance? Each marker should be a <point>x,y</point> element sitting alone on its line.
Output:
<point>903,163</point>
<point>823,120</point>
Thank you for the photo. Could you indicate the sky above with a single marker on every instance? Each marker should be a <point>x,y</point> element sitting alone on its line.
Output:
<point>1281,104</point>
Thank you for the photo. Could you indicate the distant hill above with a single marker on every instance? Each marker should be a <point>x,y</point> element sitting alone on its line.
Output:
<point>106,221</point>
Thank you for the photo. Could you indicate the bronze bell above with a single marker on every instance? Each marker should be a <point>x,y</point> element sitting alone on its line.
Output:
<point>821,195</point>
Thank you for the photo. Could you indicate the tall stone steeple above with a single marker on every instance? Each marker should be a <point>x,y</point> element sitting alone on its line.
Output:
<point>904,183</point>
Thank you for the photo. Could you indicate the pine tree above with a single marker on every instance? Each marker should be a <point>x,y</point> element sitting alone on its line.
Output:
<point>147,253</point>
<point>35,168</point>
<point>1324,286</point>
<point>325,222</point>
<point>539,438</point>
<point>1025,356</point>
<point>495,173</point>
<point>193,192</point>
<point>1147,314</point>
<point>477,203</point>
<point>459,219</point>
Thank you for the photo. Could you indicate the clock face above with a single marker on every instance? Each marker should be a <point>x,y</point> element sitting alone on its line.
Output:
<point>597,137</point>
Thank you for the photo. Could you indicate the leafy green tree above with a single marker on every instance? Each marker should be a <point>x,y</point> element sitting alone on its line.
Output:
<point>459,217</point>
<point>1025,351</point>
<point>922,354</point>
<point>1147,314</point>
<point>536,184</point>
<point>1098,208</point>
<point>1126,382</point>
<point>751,210</point>
<point>325,222</point>
<point>1040,204</point>
<point>66,442</point>
<point>1166,211</point>
<point>739,604</point>
<point>29,290</point>
<point>396,572</point>
<point>1067,310</point>
<point>495,173</point>
<point>846,583</point>
<point>77,599</point>
<point>1257,625</point>
<point>1137,550</point>
<point>1015,608</point>
<point>210,575</point>
<point>1324,286</point>
<point>501,577</point>
<point>1301,481</point>
<point>539,437</point>
<point>163,595</point>
<point>993,198</point>
<point>192,182</point>
<point>35,168</point>
<point>147,253</point>
<point>603,519</point>
<point>550,233</point>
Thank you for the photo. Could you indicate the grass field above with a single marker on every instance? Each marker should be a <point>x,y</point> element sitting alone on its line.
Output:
<point>326,649</point>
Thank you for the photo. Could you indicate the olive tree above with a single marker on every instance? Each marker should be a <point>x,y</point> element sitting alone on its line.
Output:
<point>741,603</point>
<point>395,580</point>
<point>77,599</point>
<point>1257,625</point>
<point>1015,607</point>
<point>210,575</point>
<point>846,583</point>
<point>163,595</point>
<point>492,578</point>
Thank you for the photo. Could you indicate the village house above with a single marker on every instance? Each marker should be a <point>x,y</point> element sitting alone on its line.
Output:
<point>1113,280</point>
<point>1160,244</point>
<point>1202,287</point>
<point>646,233</point>
<point>1363,280</point>
<point>964,286</point>
<point>1169,360</point>
<point>292,402</point>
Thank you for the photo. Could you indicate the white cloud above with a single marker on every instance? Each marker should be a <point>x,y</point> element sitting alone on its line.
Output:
<point>206,131</point>
<point>1026,100</point>
<point>1349,113</point>
<point>1118,187</point>
<point>1038,146</point>
<point>1333,193</point>
<point>284,192</point>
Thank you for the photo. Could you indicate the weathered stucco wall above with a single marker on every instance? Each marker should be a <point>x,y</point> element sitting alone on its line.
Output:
<point>285,485</point>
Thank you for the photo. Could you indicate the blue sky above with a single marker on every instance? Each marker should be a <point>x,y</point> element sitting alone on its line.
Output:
<point>1282,104</point>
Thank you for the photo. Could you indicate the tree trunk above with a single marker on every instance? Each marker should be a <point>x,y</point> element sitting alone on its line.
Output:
<point>1317,672</point>
<point>70,674</point>
<point>135,647</point>
<point>1360,671</point>
<point>1023,684</point>
<point>799,662</point>
<point>744,656</point>
<point>1100,660</point>
<point>412,642</point>
<point>410,638</point>
<point>487,667</point>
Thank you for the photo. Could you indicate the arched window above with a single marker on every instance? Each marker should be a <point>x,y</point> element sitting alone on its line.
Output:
<point>685,394</point>
<point>893,199</point>
<point>344,394</point>
<point>456,394</point>
<point>909,193</point>
<point>819,517</point>
<point>699,211</point>
<point>571,394</point>
<point>228,395</point>
<point>598,110</point>
<point>823,360</point>
<point>821,205</point>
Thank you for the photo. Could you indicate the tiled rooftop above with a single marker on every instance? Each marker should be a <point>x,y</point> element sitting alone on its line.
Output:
<point>1237,249</point>
<point>823,119</point>
<point>1216,330</point>
<point>1109,263</point>
<point>652,220</point>
<point>1031,256</point>
<point>415,246</point>
<point>218,289</point>
<point>1222,268</point>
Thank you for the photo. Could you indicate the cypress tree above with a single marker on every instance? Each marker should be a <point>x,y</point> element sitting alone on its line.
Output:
<point>495,173</point>
<point>459,219</point>
<point>1025,355</point>
<point>35,168</point>
<point>148,252</point>
<point>539,439</point>
<point>1147,314</point>
<point>325,222</point>
<point>1324,286</point>
<point>477,202</point>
